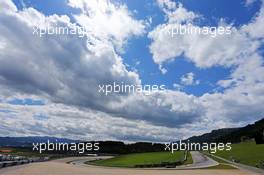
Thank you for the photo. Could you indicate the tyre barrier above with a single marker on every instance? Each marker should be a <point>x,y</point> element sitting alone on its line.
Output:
<point>19,162</point>
<point>7,163</point>
<point>160,165</point>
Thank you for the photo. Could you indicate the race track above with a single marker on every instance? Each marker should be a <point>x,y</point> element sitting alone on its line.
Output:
<point>61,167</point>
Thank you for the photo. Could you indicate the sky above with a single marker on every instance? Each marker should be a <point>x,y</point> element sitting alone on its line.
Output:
<point>49,84</point>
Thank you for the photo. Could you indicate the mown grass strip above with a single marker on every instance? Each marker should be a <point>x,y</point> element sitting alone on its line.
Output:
<point>131,160</point>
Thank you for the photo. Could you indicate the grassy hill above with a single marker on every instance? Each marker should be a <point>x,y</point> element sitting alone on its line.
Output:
<point>247,153</point>
<point>234,135</point>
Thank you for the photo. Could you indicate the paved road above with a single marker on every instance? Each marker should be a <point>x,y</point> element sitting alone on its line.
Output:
<point>60,167</point>
<point>81,161</point>
<point>199,161</point>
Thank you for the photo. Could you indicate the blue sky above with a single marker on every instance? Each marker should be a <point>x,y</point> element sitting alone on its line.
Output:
<point>137,48</point>
<point>47,80</point>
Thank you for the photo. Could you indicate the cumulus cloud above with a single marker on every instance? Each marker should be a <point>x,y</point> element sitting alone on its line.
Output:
<point>67,69</point>
<point>72,122</point>
<point>227,49</point>
<point>168,108</point>
<point>52,65</point>
<point>108,21</point>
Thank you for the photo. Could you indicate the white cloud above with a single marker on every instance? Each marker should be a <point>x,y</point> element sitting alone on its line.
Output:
<point>51,66</point>
<point>107,21</point>
<point>177,86</point>
<point>255,27</point>
<point>189,79</point>
<point>175,12</point>
<point>7,7</point>
<point>249,2</point>
<point>224,50</point>
<point>91,125</point>
<point>162,69</point>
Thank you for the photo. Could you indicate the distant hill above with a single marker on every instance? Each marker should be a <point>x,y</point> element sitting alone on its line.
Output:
<point>213,136</point>
<point>111,147</point>
<point>233,135</point>
<point>27,141</point>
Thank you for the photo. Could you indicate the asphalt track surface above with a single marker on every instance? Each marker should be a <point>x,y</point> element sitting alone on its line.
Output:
<point>62,167</point>
<point>199,161</point>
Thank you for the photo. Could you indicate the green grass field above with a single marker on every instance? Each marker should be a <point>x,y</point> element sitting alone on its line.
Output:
<point>189,159</point>
<point>130,160</point>
<point>247,153</point>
